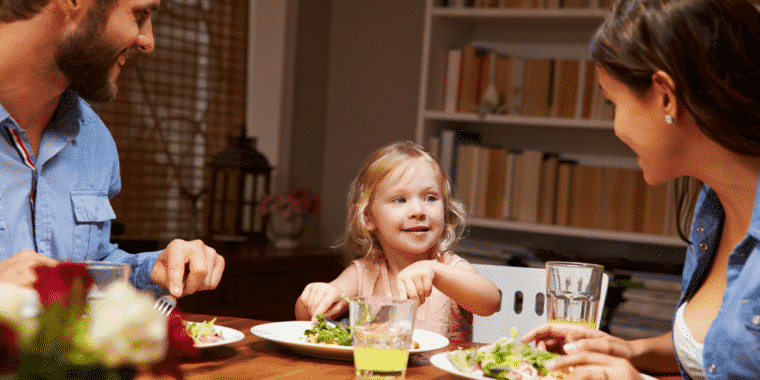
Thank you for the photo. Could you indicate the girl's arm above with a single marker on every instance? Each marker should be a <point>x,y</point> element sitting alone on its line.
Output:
<point>466,287</point>
<point>323,298</point>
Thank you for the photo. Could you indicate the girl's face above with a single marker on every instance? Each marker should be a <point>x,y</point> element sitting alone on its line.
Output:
<point>406,211</point>
<point>640,124</point>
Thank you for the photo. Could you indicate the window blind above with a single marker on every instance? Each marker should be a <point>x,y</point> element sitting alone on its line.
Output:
<point>174,111</point>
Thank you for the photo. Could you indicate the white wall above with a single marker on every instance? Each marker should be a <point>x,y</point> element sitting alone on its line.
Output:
<point>270,88</point>
<point>364,91</point>
<point>374,68</point>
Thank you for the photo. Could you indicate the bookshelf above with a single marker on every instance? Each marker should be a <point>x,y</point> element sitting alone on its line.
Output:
<point>532,34</point>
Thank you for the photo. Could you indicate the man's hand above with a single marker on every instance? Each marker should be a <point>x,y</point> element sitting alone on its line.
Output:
<point>205,267</point>
<point>19,268</point>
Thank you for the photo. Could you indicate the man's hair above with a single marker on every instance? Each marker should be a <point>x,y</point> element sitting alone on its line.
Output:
<point>16,10</point>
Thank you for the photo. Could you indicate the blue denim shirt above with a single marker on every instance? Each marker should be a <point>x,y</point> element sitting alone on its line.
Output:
<point>58,202</point>
<point>732,343</point>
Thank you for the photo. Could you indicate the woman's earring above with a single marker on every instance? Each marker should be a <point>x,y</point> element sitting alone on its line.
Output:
<point>669,119</point>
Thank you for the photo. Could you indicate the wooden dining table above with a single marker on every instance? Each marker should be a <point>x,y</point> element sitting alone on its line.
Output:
<point>257,358</point>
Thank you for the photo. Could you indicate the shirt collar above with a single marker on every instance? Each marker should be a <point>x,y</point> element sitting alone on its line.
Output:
<point>66,121</point>
<point>754,225</point>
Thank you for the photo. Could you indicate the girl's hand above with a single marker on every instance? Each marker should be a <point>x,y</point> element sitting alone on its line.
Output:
<point>592,365</point>
<point>416,281</point>
<point>323,298</point>
<point>565,338</point>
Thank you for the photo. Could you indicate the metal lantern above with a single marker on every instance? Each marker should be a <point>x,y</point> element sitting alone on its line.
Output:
<point>240,176</point>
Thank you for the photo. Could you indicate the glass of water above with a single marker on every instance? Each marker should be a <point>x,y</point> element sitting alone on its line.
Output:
<point>573,292</point>
<point>382,331</point>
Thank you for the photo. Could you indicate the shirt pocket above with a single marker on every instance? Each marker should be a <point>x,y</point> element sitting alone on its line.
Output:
<point>92,216</point>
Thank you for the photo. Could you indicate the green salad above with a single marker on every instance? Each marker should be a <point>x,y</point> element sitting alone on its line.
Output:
<point>503,352</point>
<point>322,332</point>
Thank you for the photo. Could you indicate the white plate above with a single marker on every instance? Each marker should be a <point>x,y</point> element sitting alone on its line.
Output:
<point>290,334</point>
<point>228,336</point>
<point>443,363</point>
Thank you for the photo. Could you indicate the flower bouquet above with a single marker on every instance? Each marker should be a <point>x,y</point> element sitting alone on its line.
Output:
<point>291,203</point>
<point>52,332</point>
<point>287,213</point>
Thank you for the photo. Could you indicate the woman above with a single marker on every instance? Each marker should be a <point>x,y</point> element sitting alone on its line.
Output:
<point>684,76</point>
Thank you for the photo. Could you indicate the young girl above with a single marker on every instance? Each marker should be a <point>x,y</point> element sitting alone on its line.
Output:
<point>403,220</point>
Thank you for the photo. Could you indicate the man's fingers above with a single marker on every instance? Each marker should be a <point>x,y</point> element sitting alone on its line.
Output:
<point>198,267</point>
<point>216,274</point>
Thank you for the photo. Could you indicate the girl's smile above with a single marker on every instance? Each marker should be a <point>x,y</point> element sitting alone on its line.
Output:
<point>406,210</point>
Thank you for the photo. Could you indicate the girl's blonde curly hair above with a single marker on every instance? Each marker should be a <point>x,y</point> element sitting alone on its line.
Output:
<point>358,239</point>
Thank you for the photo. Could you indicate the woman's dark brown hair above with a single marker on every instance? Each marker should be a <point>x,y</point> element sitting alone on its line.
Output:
<point>711,49</point>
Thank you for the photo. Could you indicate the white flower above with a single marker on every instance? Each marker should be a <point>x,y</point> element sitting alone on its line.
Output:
<point>20,307</point>
<point>126,329</point>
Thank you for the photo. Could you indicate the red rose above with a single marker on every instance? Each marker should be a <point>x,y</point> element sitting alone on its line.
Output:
<point>180,345</point>
<point>57,283</point>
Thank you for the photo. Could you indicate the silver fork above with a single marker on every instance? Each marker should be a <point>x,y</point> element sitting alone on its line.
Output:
<point>165,304</point>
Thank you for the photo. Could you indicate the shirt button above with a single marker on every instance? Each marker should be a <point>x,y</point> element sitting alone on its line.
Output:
<point>711,368</point>
<point>700,229</point>
<point>756,320</point>
<point>703,246</point>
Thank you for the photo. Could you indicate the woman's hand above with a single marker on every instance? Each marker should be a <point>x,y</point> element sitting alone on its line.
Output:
<point>321,298</point>
<point>565,338</point>
<point>592,365</point>
<point>416,281</point>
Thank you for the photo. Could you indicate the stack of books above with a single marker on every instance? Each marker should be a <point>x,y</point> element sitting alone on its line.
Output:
<point>478,79</point>
<point>649,302</point>
<point>536,186</point>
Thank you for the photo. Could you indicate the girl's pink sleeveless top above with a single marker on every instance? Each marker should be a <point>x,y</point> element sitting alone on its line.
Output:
<point>439,313</point>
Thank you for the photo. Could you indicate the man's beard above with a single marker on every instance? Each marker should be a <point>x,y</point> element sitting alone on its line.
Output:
<point>86,60</point>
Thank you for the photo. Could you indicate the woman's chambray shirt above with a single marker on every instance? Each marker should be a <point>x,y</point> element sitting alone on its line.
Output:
<point>732,343</point>
<point>57,203</point>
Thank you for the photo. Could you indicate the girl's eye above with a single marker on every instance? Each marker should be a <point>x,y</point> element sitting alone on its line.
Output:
<point>399,200</point>
<point>431,198</point>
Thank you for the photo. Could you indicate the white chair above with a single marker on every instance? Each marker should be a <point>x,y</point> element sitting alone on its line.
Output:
<point>523,297</point>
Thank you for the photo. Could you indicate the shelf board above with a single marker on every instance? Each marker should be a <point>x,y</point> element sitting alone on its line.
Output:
<point>631,237</point>
<point>519,120</point>
<point>567,15</point>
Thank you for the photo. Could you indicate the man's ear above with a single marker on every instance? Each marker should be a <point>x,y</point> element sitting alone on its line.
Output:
<point>664,87</point>
<point>74,8</point>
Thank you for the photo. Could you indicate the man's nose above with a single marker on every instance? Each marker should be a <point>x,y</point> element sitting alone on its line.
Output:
<point>145,40</point>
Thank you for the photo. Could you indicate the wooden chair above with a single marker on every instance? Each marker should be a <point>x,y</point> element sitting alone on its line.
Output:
<point>523,301</point>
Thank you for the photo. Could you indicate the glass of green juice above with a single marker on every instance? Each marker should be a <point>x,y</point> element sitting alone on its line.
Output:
<point>382,331</point>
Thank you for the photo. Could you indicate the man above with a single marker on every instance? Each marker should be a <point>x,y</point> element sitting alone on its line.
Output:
<point>58,163</point>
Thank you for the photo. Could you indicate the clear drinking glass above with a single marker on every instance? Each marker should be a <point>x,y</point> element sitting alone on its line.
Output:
<point>382,332</point>
<point>105,273</point>
<point>573,292</point>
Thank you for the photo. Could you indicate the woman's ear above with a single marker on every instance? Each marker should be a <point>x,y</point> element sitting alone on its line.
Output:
<point>664,90</point>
